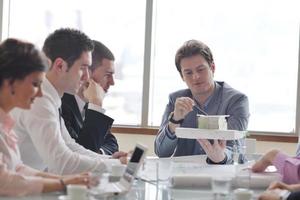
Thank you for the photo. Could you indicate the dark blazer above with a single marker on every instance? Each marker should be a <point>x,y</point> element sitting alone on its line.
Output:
<point>94,132</point>
<point>294,195</point>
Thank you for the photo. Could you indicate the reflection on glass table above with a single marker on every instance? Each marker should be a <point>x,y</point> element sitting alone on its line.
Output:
<point>187,177</point>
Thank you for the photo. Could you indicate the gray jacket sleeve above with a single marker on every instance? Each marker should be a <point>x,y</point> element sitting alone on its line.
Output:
<point>165,142</point>
<point>238,109</point>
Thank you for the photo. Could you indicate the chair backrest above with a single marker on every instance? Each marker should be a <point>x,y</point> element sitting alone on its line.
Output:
<point>250,144</point>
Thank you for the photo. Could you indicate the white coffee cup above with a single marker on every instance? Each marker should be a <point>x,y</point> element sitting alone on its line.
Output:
<point>77,192</point>
<point>117,170</point>
<point>243,194</point>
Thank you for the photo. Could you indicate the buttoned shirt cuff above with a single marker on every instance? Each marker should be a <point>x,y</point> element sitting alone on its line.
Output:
<point>101,151</point>
<point>96,108</point>
<point>110,162</point>
<point>171,136</point>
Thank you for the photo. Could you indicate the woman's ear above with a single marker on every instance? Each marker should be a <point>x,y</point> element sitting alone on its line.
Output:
<point>10,84</point>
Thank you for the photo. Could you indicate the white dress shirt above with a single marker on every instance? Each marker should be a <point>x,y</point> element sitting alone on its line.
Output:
<point>91,106</point>
<point>45,142</point>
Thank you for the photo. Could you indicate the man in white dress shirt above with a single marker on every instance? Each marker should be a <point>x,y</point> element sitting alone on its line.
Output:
<point>43,138</point>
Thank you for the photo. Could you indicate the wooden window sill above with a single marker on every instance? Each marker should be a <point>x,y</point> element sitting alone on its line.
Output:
<point>153,131</point>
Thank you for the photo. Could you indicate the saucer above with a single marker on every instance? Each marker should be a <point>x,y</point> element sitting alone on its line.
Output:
<point>66,197</point>
<point>243,193</point>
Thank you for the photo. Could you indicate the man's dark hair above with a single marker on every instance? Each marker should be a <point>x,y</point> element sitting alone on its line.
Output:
<point>100,52</point>
<point>68,44</point>
<point>18,59</point>
<point>191,48</point>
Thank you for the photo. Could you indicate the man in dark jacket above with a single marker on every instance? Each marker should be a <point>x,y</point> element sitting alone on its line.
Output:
<point>83,113</point>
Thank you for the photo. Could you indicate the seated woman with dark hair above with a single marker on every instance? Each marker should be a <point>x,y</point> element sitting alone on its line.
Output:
<point>22,70</point>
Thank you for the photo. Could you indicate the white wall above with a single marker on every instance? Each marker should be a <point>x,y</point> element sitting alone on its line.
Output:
<point>127,142</point>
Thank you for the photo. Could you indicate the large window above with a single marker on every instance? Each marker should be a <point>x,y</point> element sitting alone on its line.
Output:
<point>255,45</point>
<point>111,22</point>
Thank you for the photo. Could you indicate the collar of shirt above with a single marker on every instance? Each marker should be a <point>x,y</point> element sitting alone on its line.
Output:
<point>50,89</point>
<point>213,95</point>
<point>91,106</point>
<point>6,125</point>
<point>80,104</point>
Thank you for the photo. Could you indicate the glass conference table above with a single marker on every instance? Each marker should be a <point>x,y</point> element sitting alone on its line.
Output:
<point>143,191</point>
<point>176,179</point>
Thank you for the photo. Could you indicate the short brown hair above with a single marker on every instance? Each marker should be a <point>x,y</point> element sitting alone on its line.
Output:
<point>18,59</point>
<point>68,44</point>
<point>100,52</point>
<point>192,48</point>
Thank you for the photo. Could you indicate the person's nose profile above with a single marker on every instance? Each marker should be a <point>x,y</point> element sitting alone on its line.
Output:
<point>112,81</point>
<point>39,92</point>
<point>85,75</point>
